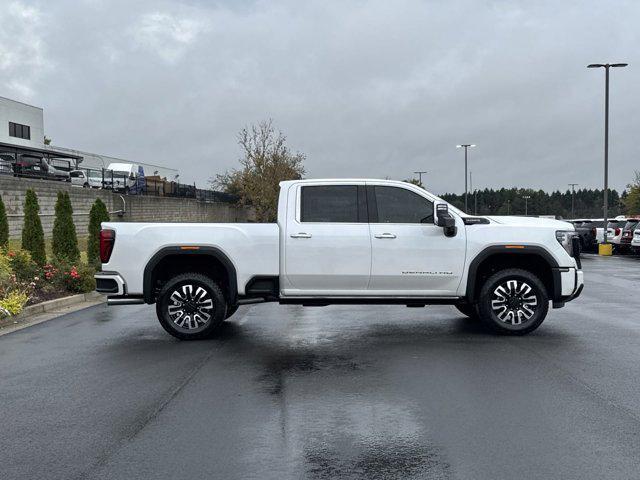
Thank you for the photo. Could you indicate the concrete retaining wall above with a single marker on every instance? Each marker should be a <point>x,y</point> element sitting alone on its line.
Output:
<point>138,208</point>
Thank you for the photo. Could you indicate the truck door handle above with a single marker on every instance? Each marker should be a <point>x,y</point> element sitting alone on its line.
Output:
<point>385,235</point>
<point>301,235</point>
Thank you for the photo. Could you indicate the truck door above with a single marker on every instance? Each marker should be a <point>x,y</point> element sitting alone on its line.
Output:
<point>410,254</point>
<point>327,246</point>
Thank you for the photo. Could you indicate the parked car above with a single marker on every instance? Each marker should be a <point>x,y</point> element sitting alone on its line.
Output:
<point>635,242</point>
<point>345,242</point>
<point>86,179</point>
<point>127,177</point>
<point>586,230</point>
<point>627,235</point>
<point>612,224</point>
<point>39,167</point>
<point>6,163</point>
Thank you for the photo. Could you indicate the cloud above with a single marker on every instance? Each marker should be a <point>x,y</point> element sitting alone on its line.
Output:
<point>166,34</point>
<point>368,88</point>
<point>23,59</point>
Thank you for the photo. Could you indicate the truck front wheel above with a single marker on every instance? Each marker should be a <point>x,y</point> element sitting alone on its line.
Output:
<point>191,306</point>
<point>513,302</point>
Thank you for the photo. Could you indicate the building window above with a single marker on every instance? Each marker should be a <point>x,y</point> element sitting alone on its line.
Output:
<point>19,131</point>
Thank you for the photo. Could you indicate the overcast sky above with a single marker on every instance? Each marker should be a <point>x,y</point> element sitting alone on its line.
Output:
<point>363,88</point>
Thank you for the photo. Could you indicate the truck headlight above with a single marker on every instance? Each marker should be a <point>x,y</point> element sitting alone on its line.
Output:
<point>565,238</point>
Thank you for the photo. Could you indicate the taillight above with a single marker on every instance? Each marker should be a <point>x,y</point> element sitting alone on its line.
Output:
<point>617,232</point>
<point>107,239</point>
<point>593,232</point>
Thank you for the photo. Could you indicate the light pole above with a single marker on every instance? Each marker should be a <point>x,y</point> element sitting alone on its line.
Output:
<point>573,193</point>
<point>419,173</point>
<point>606,67</point>
<point>466,146</point>
<point>526,204</point>
<point>508,207</point>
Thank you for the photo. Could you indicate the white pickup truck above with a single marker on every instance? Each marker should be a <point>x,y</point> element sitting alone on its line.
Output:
<point>345,242</point>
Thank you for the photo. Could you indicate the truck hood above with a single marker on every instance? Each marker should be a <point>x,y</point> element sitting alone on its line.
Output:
<point>531,222</point>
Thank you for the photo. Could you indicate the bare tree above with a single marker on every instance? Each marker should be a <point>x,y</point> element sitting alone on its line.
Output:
<point>267,161</point>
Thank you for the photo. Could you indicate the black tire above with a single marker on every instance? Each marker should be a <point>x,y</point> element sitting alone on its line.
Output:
<point>518,310</point>
<point>86,185</point>
<point>231,309</point>
<point>468,309</point>
<point>126,190</point>
<point>195,324</point>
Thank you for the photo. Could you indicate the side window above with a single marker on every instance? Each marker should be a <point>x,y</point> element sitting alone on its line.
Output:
<point>332,203</point>
<point>74,174</point>
<point>398,205</point>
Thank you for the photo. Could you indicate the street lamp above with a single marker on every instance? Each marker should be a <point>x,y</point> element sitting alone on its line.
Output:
<point>526,204</point>
<point>606,67</point>
<point>465,146</point>
<point>419,173</point>
<point>573,193</point>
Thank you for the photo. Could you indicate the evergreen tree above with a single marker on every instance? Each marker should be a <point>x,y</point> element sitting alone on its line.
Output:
<point>65,241</point>
<point>32,233</point>
<point>98,214</point>
<point>4,226</point>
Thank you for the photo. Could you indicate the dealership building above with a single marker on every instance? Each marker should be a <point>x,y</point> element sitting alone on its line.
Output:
<point>22,134</point>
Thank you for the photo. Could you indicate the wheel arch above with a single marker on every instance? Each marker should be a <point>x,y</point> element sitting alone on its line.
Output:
<point>203,259</point>
<point>528,257</point>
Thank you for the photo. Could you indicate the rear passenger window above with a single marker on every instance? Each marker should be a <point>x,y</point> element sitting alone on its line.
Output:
<point>398,205</point>
<point>330,203</point>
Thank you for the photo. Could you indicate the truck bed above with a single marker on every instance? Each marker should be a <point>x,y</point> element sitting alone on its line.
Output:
<point>252,247</point>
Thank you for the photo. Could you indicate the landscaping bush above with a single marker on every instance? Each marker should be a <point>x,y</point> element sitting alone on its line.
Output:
<point>32,234</point>
<point>4,226</point>
<point>23,266</point>
<point>73,277</point>
<point>97,215</point>
<point>6,274</point>
<point>64,243</point>
<point>13,302</point>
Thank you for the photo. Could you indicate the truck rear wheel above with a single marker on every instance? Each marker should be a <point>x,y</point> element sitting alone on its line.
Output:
<point>513,302</point>
<point>191,306</point>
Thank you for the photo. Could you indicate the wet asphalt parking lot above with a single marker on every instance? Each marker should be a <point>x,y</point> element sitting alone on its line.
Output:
<point>358,392</point>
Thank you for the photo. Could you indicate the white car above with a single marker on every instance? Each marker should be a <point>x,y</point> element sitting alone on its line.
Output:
<point>81,178</point>
<point>614,230</point>
<point>635,243</point>
<point>345,242</point>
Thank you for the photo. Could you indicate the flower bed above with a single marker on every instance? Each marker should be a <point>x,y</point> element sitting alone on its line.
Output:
<point>23,282</point>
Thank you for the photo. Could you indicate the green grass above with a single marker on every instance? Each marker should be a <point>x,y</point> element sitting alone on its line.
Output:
<point>14,243</point>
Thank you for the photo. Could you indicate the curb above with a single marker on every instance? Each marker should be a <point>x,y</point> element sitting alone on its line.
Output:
<point>55,305</point>
<point>49,310</point>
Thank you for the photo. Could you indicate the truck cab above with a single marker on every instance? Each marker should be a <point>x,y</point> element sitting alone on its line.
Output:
<point>347,241</point>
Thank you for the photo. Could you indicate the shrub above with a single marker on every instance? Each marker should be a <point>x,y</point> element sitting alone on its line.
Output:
<point>4,226</point>
<point>73,277</point>
<point>23,267</point>
<point>64,243</point>
<point>97,215</point>
<point>6,274</point>
<point>32,234</point>
<point>13,302</point>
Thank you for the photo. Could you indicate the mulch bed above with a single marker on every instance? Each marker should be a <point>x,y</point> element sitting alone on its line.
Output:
<point>40,296</point>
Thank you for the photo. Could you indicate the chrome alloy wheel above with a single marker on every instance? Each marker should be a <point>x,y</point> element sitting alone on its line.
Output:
<point>514,302</point>
<point>190,307</point>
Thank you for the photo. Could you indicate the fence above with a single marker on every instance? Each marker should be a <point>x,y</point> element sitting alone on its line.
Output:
<point>133,184</point>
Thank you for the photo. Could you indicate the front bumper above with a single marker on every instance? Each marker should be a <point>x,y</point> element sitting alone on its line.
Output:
<point>572,285</point>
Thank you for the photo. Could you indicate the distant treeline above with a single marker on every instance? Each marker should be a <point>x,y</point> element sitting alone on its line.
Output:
<point>588,203</point>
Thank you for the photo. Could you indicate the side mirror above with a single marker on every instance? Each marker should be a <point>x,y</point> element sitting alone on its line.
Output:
<point>445,220</point>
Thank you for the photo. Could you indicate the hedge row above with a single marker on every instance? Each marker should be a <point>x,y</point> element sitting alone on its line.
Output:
<point>65,240</point>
